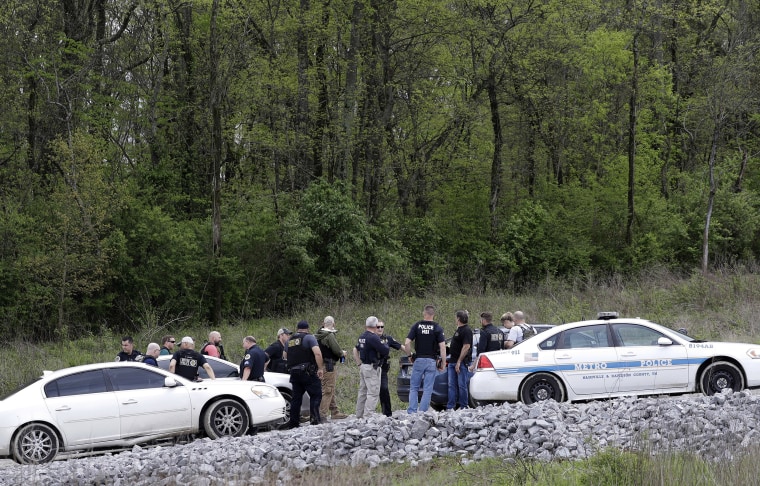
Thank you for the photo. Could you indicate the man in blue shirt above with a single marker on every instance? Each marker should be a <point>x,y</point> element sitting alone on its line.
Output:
<point>254,359</point>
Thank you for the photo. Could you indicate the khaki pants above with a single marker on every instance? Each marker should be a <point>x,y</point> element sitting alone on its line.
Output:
<point>369,390</point>
<point>328,394</point>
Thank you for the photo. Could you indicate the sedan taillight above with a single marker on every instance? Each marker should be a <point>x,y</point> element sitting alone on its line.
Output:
<point>484,363</point>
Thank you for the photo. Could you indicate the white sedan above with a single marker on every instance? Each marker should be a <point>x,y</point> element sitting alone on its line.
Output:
<point>612,357</point>
<point>120,404</point>
<point>225,369</point>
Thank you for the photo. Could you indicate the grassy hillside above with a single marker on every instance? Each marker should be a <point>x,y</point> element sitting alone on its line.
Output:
<point>723,306</point>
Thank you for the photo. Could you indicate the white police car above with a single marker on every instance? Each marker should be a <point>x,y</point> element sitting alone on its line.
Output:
<point>612,357</point>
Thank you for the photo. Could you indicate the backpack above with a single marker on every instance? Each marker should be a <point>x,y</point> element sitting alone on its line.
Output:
<point>528,331</point>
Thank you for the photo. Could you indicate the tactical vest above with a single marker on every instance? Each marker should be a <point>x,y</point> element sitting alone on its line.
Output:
<point>298,353</point>
<point>495,338</point>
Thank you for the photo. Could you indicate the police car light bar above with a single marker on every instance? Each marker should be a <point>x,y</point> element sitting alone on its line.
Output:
<point>607,315</point>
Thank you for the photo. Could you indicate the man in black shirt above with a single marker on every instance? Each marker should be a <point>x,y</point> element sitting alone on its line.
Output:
<point>460,354</point>
<point>385,393</point>
<point>128,351</point>
<point>430,344</point>
<point>278,359</point>
<point>252,365</point>
<point>306,371</point>
<point>187,360</point>
<point>491,337</point>
<point>371,353</point>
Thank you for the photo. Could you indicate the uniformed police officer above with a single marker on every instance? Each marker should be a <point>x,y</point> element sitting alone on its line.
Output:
<point>306,371</point>
<point>187,360</point>
<point>371,353</point>
<point>430,344</point>
<point>385,393</point>
<point>252,365</point>
<point>128,351</point>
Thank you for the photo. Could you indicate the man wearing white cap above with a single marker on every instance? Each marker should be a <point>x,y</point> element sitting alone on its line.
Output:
<point>187,360</point>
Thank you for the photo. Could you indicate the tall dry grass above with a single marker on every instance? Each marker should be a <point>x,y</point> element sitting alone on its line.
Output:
<point>724,305</point>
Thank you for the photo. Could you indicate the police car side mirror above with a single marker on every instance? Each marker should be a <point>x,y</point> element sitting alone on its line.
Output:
<point>663,341</point>
<point>170,382</point>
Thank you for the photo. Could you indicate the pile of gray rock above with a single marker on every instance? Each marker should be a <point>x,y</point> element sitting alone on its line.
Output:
<point>719,427</point>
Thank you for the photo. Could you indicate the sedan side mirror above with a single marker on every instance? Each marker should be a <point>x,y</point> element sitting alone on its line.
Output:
<point>663,341</point>
<point>170,382</point>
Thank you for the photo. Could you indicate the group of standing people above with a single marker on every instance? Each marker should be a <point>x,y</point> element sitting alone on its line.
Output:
<point>431,349</point>
<point>185,361</point>
<point>311,360</point>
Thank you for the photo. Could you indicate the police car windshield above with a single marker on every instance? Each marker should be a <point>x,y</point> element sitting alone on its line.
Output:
<point>687,338</point>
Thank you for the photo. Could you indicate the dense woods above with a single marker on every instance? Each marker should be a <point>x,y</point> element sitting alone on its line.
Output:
<point>228,159</point>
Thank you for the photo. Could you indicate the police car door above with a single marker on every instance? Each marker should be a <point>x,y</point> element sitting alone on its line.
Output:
<point>585,356</point>
<point>651,366</point>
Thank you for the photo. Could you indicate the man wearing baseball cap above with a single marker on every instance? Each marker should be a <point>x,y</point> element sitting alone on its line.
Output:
<point>187,360</point>
<point>276,355</point>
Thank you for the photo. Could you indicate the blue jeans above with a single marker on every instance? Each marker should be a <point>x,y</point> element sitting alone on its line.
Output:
<point>458,385</point>
<point>422,368</point>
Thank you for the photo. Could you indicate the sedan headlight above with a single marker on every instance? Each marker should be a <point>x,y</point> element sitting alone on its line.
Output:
<point>263,391</point>
<point>753,353</point>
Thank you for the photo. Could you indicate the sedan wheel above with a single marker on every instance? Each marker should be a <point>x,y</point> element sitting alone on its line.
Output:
<point>720,375</point>
<point>540,387</point>
<point>288,396</point>
<point>226,418</point>
<point>35,444</point>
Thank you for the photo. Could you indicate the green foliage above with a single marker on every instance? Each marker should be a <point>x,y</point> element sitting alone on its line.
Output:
<point>358,146</point>
<point>162,266</point>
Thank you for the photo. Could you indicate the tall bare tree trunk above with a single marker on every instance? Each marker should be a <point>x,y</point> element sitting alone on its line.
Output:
<point>215,100</point>
<point>710,197</point>
<point>498,144</point>
<point>632,121</point>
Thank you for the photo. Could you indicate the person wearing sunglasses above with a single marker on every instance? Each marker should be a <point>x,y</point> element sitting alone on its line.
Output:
<point>385,394</point>
<point>369,354</point>
<point>167,345</point>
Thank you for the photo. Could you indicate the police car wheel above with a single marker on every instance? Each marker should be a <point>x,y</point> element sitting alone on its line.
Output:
<point>540,387</point>
<point>35,444</point>
<point>225,418</point>
<point>719,375</point>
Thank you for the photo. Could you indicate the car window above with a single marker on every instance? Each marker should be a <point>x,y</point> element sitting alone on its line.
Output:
<point>585,337</point>
<point>77,384</point>
<point>221,370</point>
<point>549,343</point>
<point>134,379</point>
<point>635,335</point>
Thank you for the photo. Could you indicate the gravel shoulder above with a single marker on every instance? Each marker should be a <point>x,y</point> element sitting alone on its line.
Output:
<point>719,427</point>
